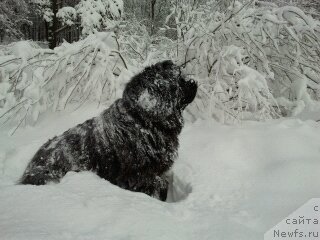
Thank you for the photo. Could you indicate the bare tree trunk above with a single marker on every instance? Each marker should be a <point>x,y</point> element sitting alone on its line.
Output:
<point>52,27</point>
<point>153,4</point>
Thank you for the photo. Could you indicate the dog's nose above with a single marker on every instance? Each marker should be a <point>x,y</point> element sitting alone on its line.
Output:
<point>192,84</point>
<point>189,89</point>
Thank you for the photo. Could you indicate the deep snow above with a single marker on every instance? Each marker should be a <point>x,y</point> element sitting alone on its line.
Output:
<point>229,182</point>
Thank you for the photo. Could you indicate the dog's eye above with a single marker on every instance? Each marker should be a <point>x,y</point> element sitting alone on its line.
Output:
<point>161,85</point>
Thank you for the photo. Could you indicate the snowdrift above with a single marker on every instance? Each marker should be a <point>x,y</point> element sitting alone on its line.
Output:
<point>229,182</point>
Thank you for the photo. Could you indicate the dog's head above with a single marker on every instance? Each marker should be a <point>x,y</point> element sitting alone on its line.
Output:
<point>160,91</point>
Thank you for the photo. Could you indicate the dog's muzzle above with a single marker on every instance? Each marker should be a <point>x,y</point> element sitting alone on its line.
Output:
<point>189,91</point>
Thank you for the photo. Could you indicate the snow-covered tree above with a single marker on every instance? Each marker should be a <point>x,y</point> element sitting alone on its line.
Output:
<point>13,14</point>
<point>68,15</point>
<point>48,9</point>
<point>94,15</point>
<point>44,9</point>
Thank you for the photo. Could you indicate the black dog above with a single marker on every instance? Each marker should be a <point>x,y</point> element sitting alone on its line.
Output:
<point>131,144</point>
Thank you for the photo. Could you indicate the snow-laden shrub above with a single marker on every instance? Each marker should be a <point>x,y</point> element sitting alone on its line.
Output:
<point>252,59</point>
<point>67,15</point>
<point>236,91</point>
<point>50,79</point>
<point>141,48</point>
<point>134,41</point>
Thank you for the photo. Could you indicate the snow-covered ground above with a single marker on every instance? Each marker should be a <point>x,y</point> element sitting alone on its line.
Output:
<point>229,182</point>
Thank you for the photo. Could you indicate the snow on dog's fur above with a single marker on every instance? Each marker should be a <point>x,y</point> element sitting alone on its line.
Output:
<point>132,143</point>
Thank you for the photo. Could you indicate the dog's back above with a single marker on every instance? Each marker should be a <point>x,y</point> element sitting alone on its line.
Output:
<point>77,149</point>
<point>116,145</point>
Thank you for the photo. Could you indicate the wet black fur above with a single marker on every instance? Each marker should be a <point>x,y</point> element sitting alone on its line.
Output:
<point>131,144</point>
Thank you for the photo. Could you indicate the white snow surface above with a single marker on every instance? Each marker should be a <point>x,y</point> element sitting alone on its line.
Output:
<point>229,182</point>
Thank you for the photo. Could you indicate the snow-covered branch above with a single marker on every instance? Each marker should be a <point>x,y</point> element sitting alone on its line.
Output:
<point>233,52</point>
<point>51,79</point>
